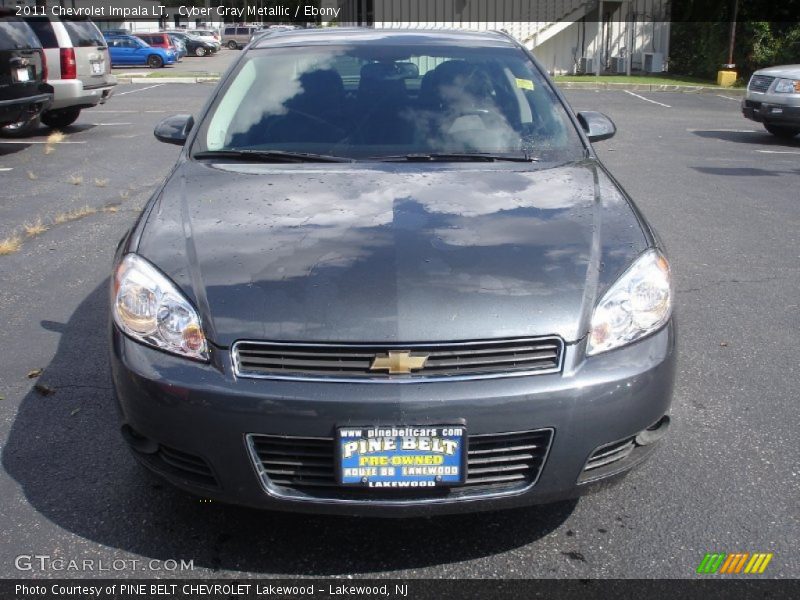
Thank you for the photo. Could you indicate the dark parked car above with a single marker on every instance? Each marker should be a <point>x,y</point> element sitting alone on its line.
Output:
<point>23,91</point>
<point>389,276</point>
<point>194,45</point>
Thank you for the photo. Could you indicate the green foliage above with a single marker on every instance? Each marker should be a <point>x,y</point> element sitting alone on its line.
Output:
<point>700,49</point>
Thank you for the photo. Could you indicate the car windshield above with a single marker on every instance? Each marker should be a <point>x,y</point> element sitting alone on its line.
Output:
<point>373,101</point>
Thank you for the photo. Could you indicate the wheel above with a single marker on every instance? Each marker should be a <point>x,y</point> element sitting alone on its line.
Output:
<point>199,51</point>
<point>154,61</point>
<point>20,128</point>
<point>232,45</point>
<point>59,119</point>
<point>782,131</point>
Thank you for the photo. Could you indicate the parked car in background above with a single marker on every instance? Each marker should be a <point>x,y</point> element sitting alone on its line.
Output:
<point>238,36</point>
<point>207,35</point>
<point>78,68</point>
<point>128,50</point>
<point>194,45</point>
<point>159,40</point>
<point>23,91</point>
<point>773,98</point>
<point>180,47</point>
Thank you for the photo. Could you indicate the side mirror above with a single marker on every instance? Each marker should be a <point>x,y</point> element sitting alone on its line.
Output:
<point>597,126</point>
<point>174,129</point>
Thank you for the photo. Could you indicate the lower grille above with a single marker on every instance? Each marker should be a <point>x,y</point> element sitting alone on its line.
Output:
<point>610,454</point>
<point>760,83</point>
<point>375,362</point>
<point>182,464</point>
<point>304,468</point>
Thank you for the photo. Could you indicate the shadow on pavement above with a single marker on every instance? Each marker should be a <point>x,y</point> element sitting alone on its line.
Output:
<point>65,451</point>
<point>762,138</point>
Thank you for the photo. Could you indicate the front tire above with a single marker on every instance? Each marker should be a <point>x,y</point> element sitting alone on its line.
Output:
<point>58,119</point>
<point>20,129</point>
<point>199,51</point>
<point>155,62</point>
<point>782,131</point>
<point>232,45</point>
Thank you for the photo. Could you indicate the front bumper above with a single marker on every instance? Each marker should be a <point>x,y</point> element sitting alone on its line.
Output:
<point>70,93</point>
<point>779,113</point>
<point>203,410</point>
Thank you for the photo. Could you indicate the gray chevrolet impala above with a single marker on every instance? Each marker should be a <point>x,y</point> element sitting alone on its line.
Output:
<point>388,275</point>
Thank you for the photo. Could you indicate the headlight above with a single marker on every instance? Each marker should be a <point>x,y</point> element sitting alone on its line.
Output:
<point>787,86</point>
<point>638,303</point>
<point>149,308</point>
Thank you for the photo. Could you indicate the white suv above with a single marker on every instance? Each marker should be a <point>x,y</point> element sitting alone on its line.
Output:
<point>78,67</point>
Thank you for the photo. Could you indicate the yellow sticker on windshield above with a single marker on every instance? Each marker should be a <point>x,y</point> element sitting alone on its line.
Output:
<point>524,84</point>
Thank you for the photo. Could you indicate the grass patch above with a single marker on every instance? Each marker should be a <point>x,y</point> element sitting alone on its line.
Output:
<point>100,182</point>
<point>34,229</point>
<point>75,179</point>
<point>74,215</point>
<point>636,79</point>
<point>32,176</point>
<point>10,245</point>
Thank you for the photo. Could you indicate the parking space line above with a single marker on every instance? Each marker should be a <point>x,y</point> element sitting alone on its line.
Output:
<point>779,151</point>
<point>647,99</point>
<point>724,130</point>
<point>150,87</point>
<point>109,124</point>
<point>36,142</point>
<point>3,169</point>
<point>727,97</point>
<point>114,111</point>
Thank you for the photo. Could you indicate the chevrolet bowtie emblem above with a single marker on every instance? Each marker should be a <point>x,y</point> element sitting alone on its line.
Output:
<point>398,363</point>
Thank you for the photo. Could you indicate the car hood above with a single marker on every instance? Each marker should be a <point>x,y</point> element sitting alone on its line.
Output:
<point>790,71</point>
<point>392,252</point>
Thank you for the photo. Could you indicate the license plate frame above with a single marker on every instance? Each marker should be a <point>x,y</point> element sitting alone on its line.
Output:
<point>402,465</point>
<point>23,74</point>
<point>97,68</point>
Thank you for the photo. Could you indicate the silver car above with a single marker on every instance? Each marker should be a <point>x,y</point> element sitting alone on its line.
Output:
<point>773,98</point>
<point>78,67</point>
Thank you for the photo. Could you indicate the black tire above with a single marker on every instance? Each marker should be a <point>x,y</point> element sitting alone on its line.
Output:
<point>782,131</point>
<point>233,45</point>
<point>20,129</point>
<point>154,61</point>
<point>58,119</point>
<point>199,51</point>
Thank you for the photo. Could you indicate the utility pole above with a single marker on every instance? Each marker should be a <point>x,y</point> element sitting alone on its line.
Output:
<point>730,64</point>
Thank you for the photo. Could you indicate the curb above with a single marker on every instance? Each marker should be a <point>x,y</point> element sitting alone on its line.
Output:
<point>567,85</point>
<point>207,79</point>
<point>648,87</point>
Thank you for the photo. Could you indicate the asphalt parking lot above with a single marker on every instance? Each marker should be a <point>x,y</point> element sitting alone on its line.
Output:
<point>721,192</point>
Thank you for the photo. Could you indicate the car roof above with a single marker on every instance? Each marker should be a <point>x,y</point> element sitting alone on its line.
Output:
<point>366,36</point>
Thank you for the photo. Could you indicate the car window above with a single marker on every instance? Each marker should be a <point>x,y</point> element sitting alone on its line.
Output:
<point>374,100</point>
<point>44,31</point>
<point>242,31</point>
<point>15,33</point>
<point>230,31</point>
<point>84,33</point>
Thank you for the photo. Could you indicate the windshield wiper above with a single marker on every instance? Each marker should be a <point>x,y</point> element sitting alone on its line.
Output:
<point>271,156</point>
<point>455,157</point>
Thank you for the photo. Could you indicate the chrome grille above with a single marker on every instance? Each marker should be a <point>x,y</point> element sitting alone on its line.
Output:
<point>351,362</point>
<point>304,468</point>
<point>760,83</point>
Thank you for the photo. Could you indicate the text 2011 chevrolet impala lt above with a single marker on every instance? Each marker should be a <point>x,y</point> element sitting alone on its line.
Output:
<point>389,276</point>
